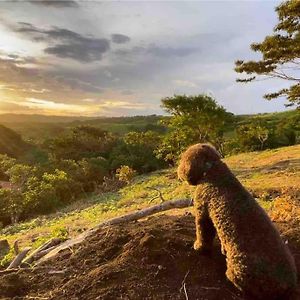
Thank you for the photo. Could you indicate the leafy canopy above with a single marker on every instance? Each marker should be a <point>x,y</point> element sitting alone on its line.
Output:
<point>280,54</point>
<point>201,113</point>
<point>195,119</point>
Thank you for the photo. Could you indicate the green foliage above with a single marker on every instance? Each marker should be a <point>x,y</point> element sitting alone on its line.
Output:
<point>11,143</point>
<point>20,173</point>
<point>11,206</point>
<point>125,173</point>
<point>280,53</point>
<point>6,163</point>
<point>261,133</point>
<point>252,136</point>
<point>35,191</point>
<point>60,232</point>
<point>174,143</point>
<point>81,142</point>
<point>289,130</point>
<point>195,119</point>
<point>136,150</point>
<point>84,159</point>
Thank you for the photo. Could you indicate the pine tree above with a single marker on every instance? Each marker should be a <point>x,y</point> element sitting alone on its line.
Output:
<point>280,54</point>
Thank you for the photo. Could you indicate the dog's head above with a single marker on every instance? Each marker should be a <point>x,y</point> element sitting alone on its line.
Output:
<point>196,161</point>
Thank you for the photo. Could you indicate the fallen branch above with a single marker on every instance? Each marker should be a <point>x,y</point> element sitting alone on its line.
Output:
<point>9,271</point>
<point>43,269</point>
<point>42,250</point>
<point>18,259</point>
<point>160,195</point>
<point>147,212</point>
<point>183,285</point>
<point>182,203</point>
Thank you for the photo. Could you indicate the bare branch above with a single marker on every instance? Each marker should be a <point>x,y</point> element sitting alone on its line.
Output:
<point>133,216</point>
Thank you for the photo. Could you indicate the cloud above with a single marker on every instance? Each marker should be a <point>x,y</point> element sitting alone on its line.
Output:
<point>16,58</point>
<point>171,51</point>
<point>158,51</point>
<point>185,83</point>
<point>89,108</point>
<point>19,81</point>
<point>127,92</point>
<point>193,52</point>
<point>56,3</point>
<point>120,38</point>
<point>81,52</point>
<point>74,84</point>
<point>68,44</point>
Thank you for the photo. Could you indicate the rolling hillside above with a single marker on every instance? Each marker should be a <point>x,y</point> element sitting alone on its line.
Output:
<point>38,126</point>
<point>11,143</point>
<point>154,255</point>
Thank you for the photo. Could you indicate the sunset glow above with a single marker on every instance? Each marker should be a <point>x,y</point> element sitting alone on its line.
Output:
<point>50,63</point>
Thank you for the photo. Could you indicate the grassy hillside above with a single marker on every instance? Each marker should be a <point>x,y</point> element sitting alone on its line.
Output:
<point>12,143</point>
<point>272,176</point>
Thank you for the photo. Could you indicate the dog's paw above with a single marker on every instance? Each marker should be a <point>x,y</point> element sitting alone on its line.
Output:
<point>201,249</point>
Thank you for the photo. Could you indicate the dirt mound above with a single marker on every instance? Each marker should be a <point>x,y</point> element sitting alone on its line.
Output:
<point>149,259</point>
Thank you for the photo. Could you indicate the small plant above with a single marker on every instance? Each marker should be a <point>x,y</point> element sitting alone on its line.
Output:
<point>60,232</point>
<point>125,173</point>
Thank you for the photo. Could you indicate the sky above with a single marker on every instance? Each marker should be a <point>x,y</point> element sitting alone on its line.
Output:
<point>95,58</point>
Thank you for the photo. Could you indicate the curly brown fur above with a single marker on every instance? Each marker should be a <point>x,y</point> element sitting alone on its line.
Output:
<point>258,262</point>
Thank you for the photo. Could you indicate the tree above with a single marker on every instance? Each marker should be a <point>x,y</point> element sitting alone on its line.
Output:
<point>280,54</point>
<point>11,206</point>
<point>6,163</point>
<point>174,143</point>
<point>195,119</point>
<point>252,136</point>
<point>288,130</point>
<point>136,150</point>
<point>81,142</point>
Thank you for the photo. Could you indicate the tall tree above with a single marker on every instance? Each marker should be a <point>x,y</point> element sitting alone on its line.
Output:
<point>194,119</point>
<point>280,54</point>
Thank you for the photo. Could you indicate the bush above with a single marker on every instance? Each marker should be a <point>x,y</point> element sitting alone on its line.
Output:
<point>125,173</point>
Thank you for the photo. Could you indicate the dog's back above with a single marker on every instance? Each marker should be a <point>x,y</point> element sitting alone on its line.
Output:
<point>258,261</point>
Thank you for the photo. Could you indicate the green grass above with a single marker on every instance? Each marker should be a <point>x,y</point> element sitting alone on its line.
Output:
<point>260,172</point>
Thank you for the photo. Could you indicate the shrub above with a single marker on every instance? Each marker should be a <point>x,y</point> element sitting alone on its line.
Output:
<point>125,173</point>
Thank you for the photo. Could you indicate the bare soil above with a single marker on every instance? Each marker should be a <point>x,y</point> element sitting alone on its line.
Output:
<point>148,259</point>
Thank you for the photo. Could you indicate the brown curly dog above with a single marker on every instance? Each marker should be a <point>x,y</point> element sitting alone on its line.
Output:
<point>258,262</point>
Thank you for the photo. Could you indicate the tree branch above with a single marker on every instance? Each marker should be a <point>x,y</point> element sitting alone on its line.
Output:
<point>133,216</point>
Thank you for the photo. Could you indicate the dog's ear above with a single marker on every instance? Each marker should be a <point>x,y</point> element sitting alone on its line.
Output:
<point>195,162</point>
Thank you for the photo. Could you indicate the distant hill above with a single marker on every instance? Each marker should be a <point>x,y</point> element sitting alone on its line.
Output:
<point>11,143</point>
<point>123,125</point>
<point>274,118</point>
<point>26,118</point>
<point>39,127</point>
